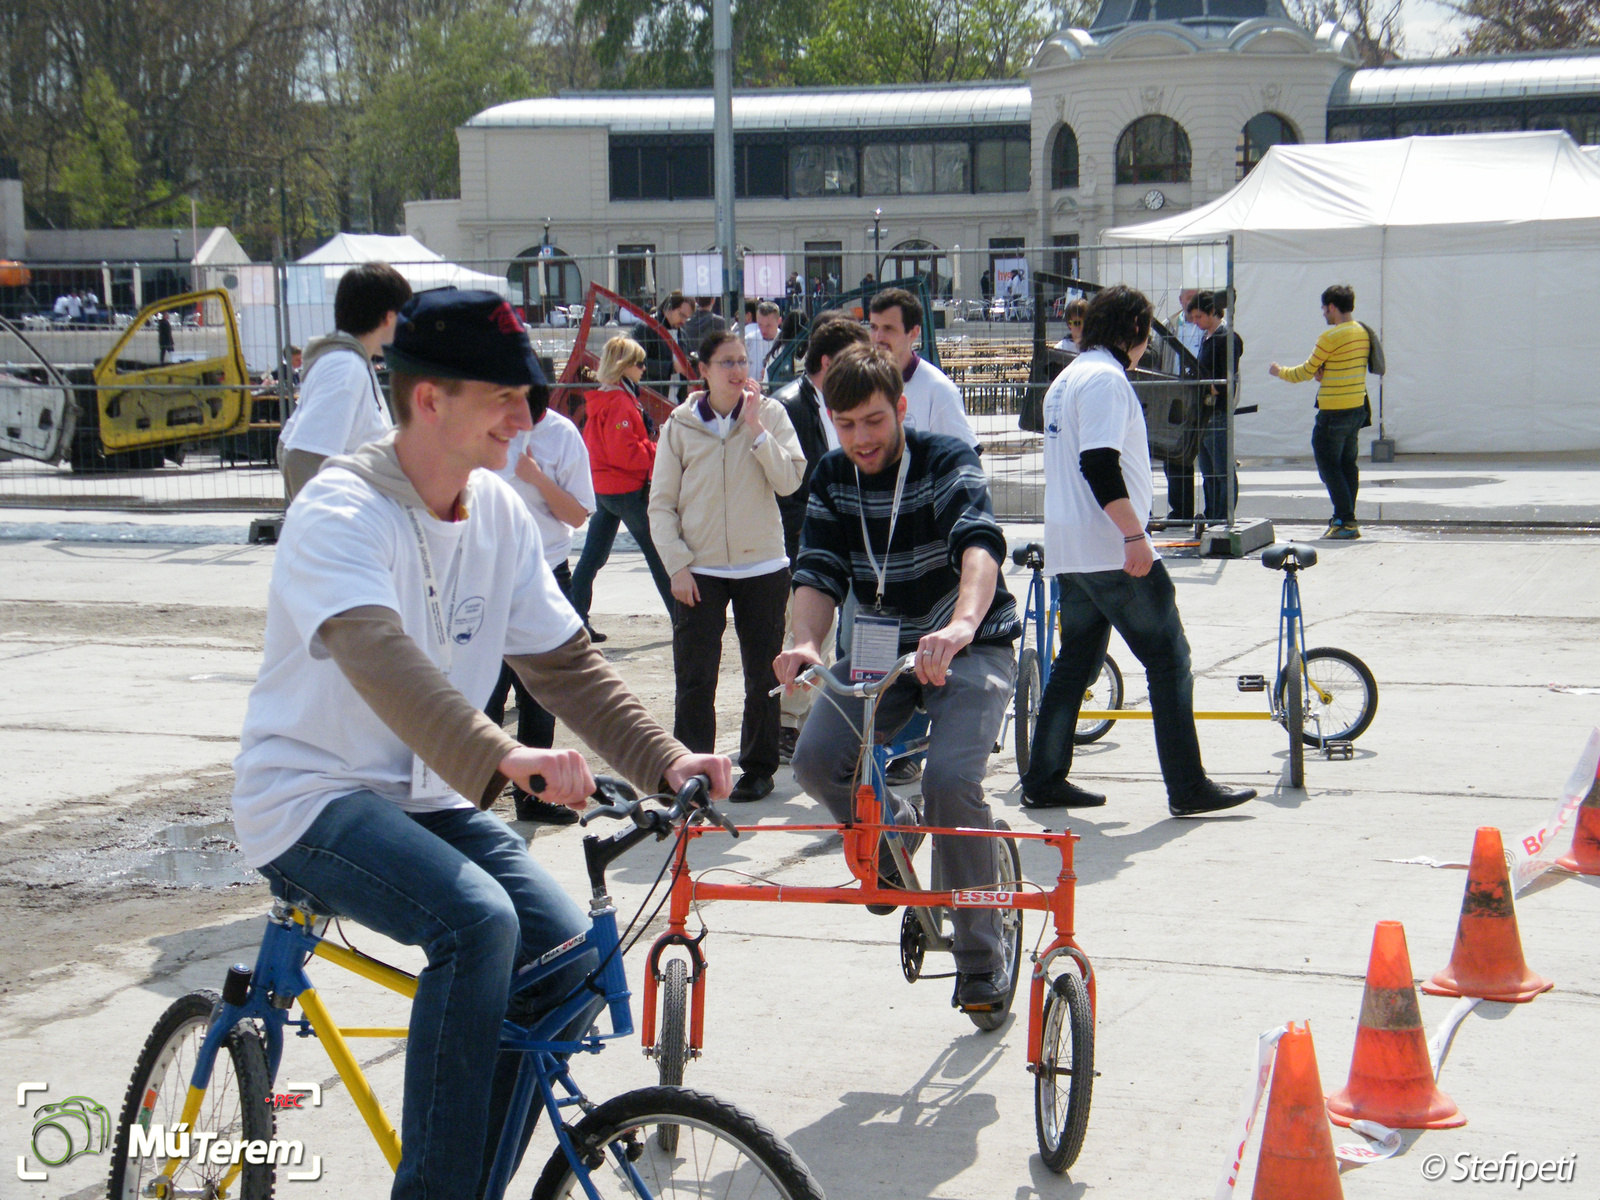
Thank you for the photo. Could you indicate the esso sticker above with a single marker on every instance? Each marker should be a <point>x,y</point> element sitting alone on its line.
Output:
<point>974,899</point>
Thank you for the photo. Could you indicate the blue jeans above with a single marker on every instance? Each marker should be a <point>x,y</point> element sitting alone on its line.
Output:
<point>461,885</point>
<point>626,508</point>
<point>1145,612</point>
<point>1336,443</point>
<point>1217,476</point>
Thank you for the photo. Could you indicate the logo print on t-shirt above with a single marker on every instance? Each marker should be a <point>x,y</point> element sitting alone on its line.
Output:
<point>466,620</point>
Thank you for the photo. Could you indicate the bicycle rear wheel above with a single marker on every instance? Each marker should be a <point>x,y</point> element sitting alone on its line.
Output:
<point>672,1039</point>
<point>235,1106</point>
<point>1342,697</point>
<point>1064,1078</point>
<point>1025,706</point>
<point>1294,716</point>
<point>1104,693</point>
<point>723,1151</point>
<point>1008,879</point>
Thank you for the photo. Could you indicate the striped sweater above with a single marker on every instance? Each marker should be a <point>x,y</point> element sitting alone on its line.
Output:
<point>945,510</point>
<point>1341,355</point>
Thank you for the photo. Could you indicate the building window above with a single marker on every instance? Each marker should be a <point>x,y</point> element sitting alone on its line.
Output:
<point>822,170</point>
<point>1153,149</point>
<point>691,172</point>
<point>1260,133</point>
<point>1064,255</point>
<point>758,171</point>
<point>880,170</point>
<point>952,167</point>
<point>917,257</point>
<point>1003,165</point>
<point>824,265</point>
<point>1064,159</point>
<point>542,276</point>
<point>636,273</point>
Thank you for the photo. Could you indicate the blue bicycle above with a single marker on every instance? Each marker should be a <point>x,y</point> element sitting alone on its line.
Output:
<point>210,1064</point>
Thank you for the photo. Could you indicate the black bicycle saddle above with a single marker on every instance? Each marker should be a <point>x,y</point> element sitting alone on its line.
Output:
<point>1275,558</point>
<point>1022,554</point>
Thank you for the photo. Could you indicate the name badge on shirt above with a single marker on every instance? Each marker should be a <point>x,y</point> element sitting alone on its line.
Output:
<point>874,646</point>
<point>425,782</point>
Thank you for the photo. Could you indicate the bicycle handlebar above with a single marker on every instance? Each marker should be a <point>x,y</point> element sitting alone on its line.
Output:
<point>865,690</point>
<point>619,801</point>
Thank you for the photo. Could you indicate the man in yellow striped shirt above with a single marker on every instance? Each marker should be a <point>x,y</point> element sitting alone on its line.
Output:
<point>1339,364</point>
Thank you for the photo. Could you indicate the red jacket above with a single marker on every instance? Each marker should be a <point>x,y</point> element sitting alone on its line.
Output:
<point>621,454</point>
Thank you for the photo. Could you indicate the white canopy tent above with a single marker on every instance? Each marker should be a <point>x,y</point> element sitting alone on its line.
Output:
<point>1477,258</point>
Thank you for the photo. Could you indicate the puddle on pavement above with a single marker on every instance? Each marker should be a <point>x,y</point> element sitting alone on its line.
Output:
<point>1434,482</point>
<point>193,856</point>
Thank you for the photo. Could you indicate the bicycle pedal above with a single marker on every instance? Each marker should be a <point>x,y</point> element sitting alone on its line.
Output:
<point>1252,683</point>
<point>1339,749</point>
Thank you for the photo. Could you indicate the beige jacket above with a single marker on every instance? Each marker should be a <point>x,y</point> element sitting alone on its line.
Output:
<point>714,503</point>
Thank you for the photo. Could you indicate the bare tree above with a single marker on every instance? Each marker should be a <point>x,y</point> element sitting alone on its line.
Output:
<point>1511,26</point>
<point>1374,25</point>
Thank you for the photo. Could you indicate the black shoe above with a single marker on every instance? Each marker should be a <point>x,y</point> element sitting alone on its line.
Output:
<point>531,808</point>
<point>981,991</point>
<point>595,635</point>
<point>902,771</point>
<point>751,787</point>
<point>786,741</point>
<point>889,870</point>
<point>1209,797</point>
<point>1061,793</point>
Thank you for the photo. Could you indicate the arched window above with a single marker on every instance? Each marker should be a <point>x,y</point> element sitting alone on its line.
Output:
<point>1260,133</point>
<point>1154,149</point>
<point>541,277</point>
<point>1064,159</point>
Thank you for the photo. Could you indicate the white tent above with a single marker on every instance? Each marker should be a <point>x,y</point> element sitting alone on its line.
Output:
<point>422,268</point>
<point>1477,258</point>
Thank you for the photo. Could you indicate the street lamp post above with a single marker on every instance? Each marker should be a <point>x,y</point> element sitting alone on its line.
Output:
<point>877,238</point>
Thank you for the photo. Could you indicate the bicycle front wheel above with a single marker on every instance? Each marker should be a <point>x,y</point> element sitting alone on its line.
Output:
<point>722,1151</point>
<point>1025,706</point>
<point>1064,1078</point>
<point>1008,867</point>
<point>1294,715</point>
<point>672,1042</point>
<point>235,1106</point>
<point>1341,696</point>
<point>1104,693</point>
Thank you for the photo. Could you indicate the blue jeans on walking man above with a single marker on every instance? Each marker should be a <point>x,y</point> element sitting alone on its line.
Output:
<point>1335,442</point>
<point>1145,612</point>
<point>462,885</point>
<point>1217,477</point>
<point>631,509</point>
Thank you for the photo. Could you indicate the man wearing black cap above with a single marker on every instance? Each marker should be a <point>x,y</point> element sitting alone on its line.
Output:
<point>406,572</point>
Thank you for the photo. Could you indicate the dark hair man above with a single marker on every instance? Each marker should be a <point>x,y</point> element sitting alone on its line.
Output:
<point>1097,501</point>
<point>902,519</point>
<point>1339,363</point>
<point>660,366</point>
<point>341,407</point>
<point>933,403</point>
<point>703,322</point>
<point>1218,480</point>
<point>833,334</point>
<point>405,574</point>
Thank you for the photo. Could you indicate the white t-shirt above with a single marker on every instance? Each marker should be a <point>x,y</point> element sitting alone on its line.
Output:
<point>558,448</point>
<point>756,348</point>
<point>308,736</point>
<point>933,404</point>
<point>341,407</point>
<point>1090,406</point>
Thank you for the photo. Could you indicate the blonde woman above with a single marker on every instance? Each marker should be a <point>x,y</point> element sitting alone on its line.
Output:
<point>622,455</point>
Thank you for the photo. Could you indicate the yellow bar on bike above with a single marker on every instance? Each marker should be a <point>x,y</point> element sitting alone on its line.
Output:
<point>1144,714</point>
<point>368,968</point>
<point>386,1033</point>
<point>350,1071</point>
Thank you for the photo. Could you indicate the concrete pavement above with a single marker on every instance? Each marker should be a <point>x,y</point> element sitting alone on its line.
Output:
<point>123,674</point>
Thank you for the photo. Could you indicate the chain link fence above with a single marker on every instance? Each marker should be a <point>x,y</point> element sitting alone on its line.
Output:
<point>164,386</point>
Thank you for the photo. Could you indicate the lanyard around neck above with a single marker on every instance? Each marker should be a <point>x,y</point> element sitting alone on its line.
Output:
<point>879,572</point>
<point>430,587</point>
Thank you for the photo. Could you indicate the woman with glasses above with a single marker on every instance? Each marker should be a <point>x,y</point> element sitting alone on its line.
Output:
<point>725,456</point>
<point>1076,307</point>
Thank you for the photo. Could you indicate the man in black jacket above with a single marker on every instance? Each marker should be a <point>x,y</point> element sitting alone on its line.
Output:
<point>831,335</point>
<point>1218,480</point>
<point>660,365</point>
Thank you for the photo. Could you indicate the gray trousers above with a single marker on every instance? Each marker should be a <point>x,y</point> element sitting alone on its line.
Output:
<point>965,715</point>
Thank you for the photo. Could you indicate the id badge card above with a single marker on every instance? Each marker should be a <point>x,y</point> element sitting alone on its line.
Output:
<point>874,646</point>
<point>425,782</point>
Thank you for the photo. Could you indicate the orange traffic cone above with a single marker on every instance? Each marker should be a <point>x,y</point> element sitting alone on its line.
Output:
<point>1487,960</point>
<point>1297,1161</point>
<point>1390,1079</point>
<point>1584,857</point>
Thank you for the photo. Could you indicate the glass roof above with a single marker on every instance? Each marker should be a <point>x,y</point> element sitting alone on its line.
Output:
<point>1205,16</point>
<point>1469,79</point>
<point>690,112</point>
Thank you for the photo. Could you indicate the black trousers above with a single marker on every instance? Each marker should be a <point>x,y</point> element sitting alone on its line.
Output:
<point>535,726</point>
<point>758,605</point>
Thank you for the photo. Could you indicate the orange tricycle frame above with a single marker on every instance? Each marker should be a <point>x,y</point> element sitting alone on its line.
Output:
<point>861,855</point>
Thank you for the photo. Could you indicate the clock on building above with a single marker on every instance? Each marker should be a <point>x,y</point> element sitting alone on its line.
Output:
<point>1153,199</point>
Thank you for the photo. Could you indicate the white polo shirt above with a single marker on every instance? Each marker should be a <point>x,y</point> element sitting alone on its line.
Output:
<point>557,446</point>
<point>341,407</point>
<point>1090,406</point>
<point>933,403</point>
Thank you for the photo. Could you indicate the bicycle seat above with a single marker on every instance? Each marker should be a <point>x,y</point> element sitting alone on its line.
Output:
<point>1032,551</point>
<point>1277,558</point>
